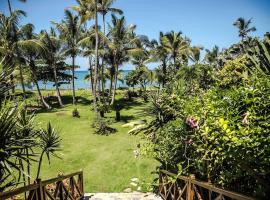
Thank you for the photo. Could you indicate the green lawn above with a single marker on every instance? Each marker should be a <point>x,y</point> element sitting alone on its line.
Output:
<point>108,162</point>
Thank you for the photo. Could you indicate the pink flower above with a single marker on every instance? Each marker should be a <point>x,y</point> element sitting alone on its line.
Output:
<point>192,122</point>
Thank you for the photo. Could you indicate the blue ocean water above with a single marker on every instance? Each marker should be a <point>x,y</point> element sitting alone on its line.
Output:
<point>80,83</point>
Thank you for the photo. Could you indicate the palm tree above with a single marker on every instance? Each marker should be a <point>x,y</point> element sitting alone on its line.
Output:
<point>70,31</point>
<point>9,5</point>
<point>105,6</point>
<point>161,54</point>
<point>16,48</point>
<point>195,54</point>
<point>10,40</point>
<point>53,56</point>
<point>30,55</point>
<point>121,44</point>
<point>244,28</point>
<point>88,9</point>
<point>176,45</point>
<point>211,56</point>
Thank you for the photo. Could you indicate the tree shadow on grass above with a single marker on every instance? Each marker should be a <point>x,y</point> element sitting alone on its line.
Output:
<point>66,99</point>
<point>127,104</point>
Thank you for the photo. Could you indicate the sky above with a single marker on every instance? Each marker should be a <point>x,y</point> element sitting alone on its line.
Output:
<point>205,22</point>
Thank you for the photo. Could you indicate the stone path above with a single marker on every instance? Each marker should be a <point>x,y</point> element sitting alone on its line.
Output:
<point>121,196</point>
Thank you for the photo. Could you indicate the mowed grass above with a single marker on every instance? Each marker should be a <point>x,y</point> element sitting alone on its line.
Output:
<point>108,162</point>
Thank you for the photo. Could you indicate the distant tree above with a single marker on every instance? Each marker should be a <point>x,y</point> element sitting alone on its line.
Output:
<point>244,28</point>
<point>70,31</point>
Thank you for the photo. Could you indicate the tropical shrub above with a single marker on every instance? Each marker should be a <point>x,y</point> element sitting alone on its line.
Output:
<point>220,132</point>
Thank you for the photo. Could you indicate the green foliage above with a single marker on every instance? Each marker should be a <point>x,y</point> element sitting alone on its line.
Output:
<point>219,132</point>
<point>75,113</point>
<point>102,128</point>
<point>260,55</point>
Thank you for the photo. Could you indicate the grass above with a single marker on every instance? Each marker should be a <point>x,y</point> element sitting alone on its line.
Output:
<point>108,162</point>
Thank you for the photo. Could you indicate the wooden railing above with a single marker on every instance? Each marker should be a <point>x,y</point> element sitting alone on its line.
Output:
<point>63,187</point>
<point>173,187</point>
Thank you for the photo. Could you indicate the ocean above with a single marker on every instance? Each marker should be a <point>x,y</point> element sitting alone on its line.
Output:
<point>80,83</point>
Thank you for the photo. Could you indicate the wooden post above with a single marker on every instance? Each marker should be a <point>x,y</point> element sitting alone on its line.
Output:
<point>81,182</point>
<point>190,189</point>
<point>39,190</point>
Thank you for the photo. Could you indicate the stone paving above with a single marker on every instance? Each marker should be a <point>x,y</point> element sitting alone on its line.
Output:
<point>121,196</point>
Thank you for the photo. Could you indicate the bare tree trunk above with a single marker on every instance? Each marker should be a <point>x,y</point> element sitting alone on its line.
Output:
<point>102,64</point>
<point>57,87</point>
<point>91,74</point>
<point>96,61</point>
<point>22,80</point>
<point>115,85</point>
<point>34,74</point>
<point>73,83</point>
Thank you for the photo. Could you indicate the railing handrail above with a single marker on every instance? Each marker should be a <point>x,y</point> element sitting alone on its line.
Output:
<point>34,186</point>
<point>209,186</point>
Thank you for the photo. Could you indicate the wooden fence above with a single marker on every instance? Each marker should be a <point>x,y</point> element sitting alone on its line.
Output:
<point>69,187</point>
<point>173,187</point>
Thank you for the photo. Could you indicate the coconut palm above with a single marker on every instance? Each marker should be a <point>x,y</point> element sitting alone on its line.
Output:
<point>30,55</point>
<point>9,30</point>
<point>88,9</point>
<point>211,56</point>
<point>104,7</point>
<point>195,54</point>
<point>53,56</point>
<point>121,44</point>
<point>177,46</point>
<point>70,31</point>
<point>160,53</point>
<point>244,28</point>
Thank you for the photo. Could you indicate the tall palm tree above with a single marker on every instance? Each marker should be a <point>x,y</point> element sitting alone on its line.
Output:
<point>243,26</point>
<point>16,48</point>
<point>9,28</point>
<point>121,44</point>
<point>30,55</point>
<point>105,6</point>
<point>88,9</point>
<point>53,56</point>
<point>211,56</point>
<point>70,31</point>
<point>160,53</point>
<point>176,45</point>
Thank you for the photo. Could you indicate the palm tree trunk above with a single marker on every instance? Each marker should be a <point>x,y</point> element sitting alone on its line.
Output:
<point>9,7</point>
<point>96,61</point>
<point>91,74</point>
<point>164,71</point>
<point>73,83</point>
<point>102,64</point>
<point>45,104</point>
<point>115,84</point>
<point>22,81</point>
<point>20,66</point>
<point>111,83</point>
<point>57,87</point>
<point>34,74</point>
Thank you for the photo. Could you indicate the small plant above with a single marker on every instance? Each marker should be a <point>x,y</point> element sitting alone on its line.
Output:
<point>75,113</point>
<point>117,108</point>
<point>102,128</point>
